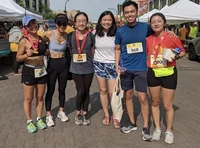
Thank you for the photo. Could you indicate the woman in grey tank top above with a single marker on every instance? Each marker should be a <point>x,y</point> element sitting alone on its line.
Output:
<point>81,44</point>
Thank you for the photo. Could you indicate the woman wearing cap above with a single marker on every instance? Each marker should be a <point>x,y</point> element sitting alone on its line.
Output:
<point>81,44</point>
<point>34,75</point>
<point>162,73</point>
<point>57,67</point>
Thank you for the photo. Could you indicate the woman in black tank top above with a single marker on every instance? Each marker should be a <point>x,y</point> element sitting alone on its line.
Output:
<point>34,76</point>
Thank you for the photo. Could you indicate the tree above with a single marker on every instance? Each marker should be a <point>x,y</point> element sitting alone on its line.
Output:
<point>48,13</point>
<point>21,3</point>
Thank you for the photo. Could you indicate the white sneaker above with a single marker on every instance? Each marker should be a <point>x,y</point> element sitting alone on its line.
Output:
<point>169,137</point>
<point>156,134</point>
<point>49,121</point>
<point>62,116</point>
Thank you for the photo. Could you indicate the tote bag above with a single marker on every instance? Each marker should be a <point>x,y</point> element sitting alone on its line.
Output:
<point>116,101</point>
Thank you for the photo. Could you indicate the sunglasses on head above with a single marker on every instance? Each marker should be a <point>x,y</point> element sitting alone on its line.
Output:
<point>62,24</point>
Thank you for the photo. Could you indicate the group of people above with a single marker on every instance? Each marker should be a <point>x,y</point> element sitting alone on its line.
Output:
<point>134,50</point>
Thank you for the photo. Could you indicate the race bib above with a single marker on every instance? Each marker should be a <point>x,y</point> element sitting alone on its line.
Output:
<point>158,63</point>
<point>134,48</point>
<point>40,72</point>
<point>79,58</point>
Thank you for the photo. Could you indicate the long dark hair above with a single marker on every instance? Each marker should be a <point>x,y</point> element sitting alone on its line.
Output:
<point>99,28</point>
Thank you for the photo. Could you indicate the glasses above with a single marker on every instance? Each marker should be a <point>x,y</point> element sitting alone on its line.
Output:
<point>81,21</point>
<point>62,24</point>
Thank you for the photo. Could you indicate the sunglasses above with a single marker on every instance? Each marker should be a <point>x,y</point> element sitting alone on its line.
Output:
<point>64,24</point>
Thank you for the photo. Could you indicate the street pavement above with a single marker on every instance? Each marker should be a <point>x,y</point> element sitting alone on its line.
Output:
<point>13,133</point>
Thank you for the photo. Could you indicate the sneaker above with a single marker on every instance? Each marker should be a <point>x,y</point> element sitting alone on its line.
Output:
<point>129,128</point>
<point>40,124</point>
<point>78,120</point>
<point>49,121</point>
<point>169,137</point>
<point>156,134</point>
<point>86,120</point>
<point>31,127</point>
<point>62,116</point>
<point>146,134</point>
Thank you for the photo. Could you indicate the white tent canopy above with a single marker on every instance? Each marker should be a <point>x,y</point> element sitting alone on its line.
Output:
<point>146,17</point>
<point>182,11</point>
<point>11,11</point>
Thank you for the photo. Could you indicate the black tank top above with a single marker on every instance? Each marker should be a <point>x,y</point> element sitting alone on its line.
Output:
<point>42,47</point>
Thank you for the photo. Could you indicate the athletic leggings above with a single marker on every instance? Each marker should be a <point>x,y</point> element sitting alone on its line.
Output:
<point>83,83</point>
<point>57,69</point>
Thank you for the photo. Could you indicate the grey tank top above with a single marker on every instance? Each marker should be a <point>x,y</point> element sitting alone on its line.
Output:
<point>56,47</point>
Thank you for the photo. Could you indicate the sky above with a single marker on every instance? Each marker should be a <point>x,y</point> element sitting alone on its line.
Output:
<point>93,8</point>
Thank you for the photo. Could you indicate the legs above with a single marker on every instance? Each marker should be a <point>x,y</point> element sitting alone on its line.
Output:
<point>40,89</point>
<point>28,97</point>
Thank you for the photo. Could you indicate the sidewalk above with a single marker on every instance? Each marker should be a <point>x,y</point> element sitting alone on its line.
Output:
<point>13,133</point>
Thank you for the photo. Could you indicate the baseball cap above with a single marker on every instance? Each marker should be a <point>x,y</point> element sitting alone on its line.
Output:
<point>27,19</point>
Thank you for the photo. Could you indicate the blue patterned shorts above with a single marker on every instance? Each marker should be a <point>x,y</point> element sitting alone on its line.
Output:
<point>105,70</point>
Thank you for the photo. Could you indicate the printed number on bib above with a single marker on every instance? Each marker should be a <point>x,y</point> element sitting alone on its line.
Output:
<point>134,48</point>
<point>79,58</point>
<point>40,72</point>
<point>159,62</point>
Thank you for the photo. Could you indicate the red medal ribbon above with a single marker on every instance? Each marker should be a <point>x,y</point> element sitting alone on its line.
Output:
<point>80,47</point>
<point>34,46</point>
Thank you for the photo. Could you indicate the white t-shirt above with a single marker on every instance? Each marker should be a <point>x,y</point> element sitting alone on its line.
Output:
<point>104,49</point>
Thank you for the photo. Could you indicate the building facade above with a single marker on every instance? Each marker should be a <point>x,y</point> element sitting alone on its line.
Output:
<point>159,4</point>
<point>36,5</point>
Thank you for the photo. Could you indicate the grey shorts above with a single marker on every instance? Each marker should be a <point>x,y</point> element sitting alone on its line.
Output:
<point>137,78</point>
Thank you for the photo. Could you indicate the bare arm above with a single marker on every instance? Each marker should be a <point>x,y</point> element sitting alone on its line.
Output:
<point>21,55</point>
<point>117,57</point>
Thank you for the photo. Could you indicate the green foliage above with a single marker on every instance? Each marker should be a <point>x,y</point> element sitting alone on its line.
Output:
<point>48,13</point>
<point>21,3</point>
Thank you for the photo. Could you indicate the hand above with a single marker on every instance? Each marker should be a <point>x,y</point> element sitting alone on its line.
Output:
<point>118,69</point>
<point>29,52</point>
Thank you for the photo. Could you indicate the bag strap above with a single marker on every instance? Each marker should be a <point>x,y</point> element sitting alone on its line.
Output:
<point>117,83</point>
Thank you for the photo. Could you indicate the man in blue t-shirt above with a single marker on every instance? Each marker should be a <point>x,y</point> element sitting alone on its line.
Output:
<point>130,53</point>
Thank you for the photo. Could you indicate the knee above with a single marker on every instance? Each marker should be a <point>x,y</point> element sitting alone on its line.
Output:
<point>103,91</point>
<point>168,106</point>
<point>28,99</point>
<point>40,97</point>
<point>143,99</point>
<point>155,103</point>
<point>128,95</point>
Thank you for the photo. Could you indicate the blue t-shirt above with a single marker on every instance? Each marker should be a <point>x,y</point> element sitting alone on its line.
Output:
<point>133,34</point>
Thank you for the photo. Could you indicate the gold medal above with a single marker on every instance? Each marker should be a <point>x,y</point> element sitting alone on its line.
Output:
<point>35,50</point>
<point>154,63</point>
<point>80,57</point>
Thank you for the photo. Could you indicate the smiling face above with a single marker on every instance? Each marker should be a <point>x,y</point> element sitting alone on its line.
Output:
<point>157,24</point>
<point>32,27</point>
<point>130,14</point>
<point>81,22</point>
<point>106,22</point>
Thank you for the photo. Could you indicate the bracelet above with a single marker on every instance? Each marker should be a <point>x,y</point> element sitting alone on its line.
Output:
<point>177,57</point>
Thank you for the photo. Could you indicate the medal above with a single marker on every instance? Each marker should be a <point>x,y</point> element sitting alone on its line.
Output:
<point>35,50</point>
<point>80,57</point>
<point>155,63</point>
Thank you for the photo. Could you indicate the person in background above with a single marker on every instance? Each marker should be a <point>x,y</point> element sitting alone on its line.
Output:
<point>81,44</point>
<point>193,31</point>
<point>15,36</point>
<point>104,61</point>
<point>182,33</point>
<point>162,74</point>
<point>34,76</point>
<point>57,67</point>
